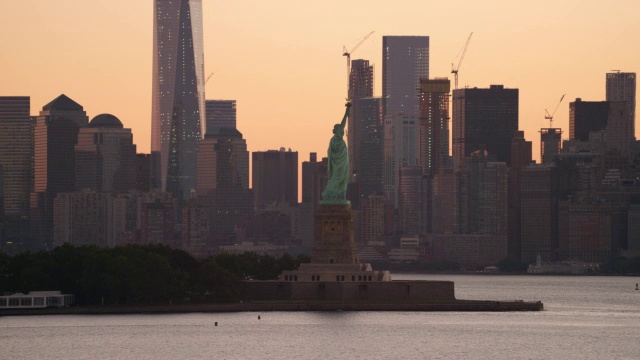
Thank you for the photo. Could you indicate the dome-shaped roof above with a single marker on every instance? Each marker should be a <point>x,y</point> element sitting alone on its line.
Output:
<point>105,120</point>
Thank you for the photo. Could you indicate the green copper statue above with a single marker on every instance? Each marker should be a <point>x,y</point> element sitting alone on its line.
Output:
<point>338,157</point>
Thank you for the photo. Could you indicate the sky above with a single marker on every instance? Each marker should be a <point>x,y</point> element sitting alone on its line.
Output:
<point>282,59</point>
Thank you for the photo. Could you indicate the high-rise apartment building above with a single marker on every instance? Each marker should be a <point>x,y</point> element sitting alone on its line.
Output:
<point>619,138</point>
<point>410,200</point>
<point>521,157</point>
<point>360,86</point>
<point>158,223</point>
<point>405,59</point>
<point>445,202</point>
<point>56,134</point>
<point>105,156</point>
<point>16,153</point>
<point>401,139</point>
<point>484,119</point>
<point>372,218</point>
<point>483,199</point>
<point>371,147</point>
<point>275,177</point>
<point>221,114</point>
<point>621,86</point>
<point>539,212</point>
<point>550,144</point>
<point>178,101</point>
<point>85,218</point>
<point>434,124</point>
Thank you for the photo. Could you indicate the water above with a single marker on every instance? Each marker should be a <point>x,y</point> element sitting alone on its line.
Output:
<point>584,318</point>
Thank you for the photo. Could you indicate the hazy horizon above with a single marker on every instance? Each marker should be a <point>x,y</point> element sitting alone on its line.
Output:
<point>282,60</point>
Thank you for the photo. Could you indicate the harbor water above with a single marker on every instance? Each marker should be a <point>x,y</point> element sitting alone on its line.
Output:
<point>584,318</point>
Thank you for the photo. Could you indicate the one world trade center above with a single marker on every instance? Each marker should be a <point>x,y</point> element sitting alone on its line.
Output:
<point>178,102</point>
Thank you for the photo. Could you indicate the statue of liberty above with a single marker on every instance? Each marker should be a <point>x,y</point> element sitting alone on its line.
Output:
<point>338,158</point>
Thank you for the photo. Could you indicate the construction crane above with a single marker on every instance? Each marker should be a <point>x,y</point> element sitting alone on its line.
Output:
<point>347,53</point>
<point>548,116</point>
<point>208,77</point>
<point>455,69</point>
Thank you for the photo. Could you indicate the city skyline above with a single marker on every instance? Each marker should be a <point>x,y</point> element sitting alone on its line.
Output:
<point>282,48</point>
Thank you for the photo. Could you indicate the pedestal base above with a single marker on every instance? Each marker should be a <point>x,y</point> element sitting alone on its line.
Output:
<point>334,243</point>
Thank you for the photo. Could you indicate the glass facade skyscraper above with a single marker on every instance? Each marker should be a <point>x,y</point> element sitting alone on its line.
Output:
<point>405,60</point>
<point>178,101</point>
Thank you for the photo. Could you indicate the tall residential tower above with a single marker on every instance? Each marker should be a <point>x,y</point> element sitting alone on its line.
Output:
<point>405,60</point>
<point>621,86</point>
<point>178,102</point>
<point>360,87</point>
<point>16,152</point>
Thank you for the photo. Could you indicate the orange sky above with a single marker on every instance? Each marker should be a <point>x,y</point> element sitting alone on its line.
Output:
<point>282,59</point>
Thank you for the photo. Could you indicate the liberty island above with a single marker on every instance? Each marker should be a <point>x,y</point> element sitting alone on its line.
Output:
<point>336,280</point>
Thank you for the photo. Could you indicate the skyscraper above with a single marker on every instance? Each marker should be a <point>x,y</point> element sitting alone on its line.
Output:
<point>275,177</point>
<point>223,161</point>
<point>405,59</point>
<point>434,124</point>
<point>521,153</point>
<point>550,141</point>
<point>56,134</point>
<point>621,86</point>
<point>221,114</point>
<point>410,200</point>
<point>586,117</point>
<point>484,119</point>
<point>401,138</point>
<point>16,152</point>
<point>178,102</point>
<point>223,184</point>
<point>371,147</point>
<point>539,212</point>
<point>360,86</point>
<point>105,156</point>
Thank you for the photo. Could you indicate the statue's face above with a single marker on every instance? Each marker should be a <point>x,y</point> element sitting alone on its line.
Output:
<point>338,131</point>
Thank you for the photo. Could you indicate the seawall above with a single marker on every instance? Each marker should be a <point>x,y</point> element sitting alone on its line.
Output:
<point>266,306</point>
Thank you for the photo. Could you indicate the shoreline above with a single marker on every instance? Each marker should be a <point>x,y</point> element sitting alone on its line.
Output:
<point>444,306</point>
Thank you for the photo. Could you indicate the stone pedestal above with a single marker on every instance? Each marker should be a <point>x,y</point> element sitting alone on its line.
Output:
<point>334,243</point>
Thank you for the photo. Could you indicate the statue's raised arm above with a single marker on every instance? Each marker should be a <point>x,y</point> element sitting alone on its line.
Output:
<point>346,113</point>
<point>338,164</point>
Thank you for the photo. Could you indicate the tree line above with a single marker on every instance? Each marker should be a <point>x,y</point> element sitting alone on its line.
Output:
<point>137,274</point>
